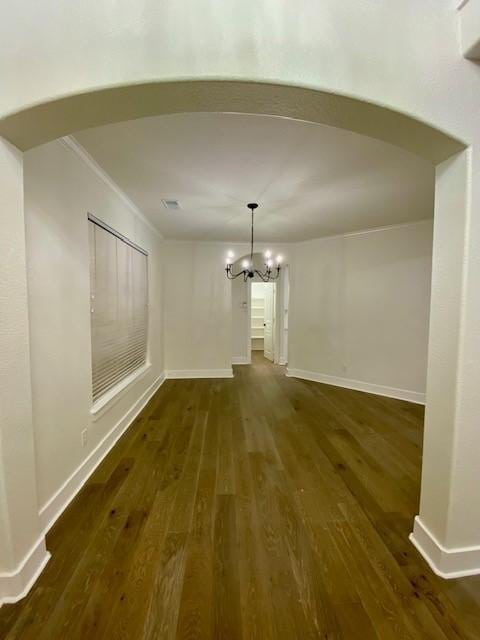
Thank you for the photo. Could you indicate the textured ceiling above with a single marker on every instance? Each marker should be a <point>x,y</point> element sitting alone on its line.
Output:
<point>310,180</point>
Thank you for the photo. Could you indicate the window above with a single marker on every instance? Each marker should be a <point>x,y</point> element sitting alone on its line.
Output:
<point>118,306</point>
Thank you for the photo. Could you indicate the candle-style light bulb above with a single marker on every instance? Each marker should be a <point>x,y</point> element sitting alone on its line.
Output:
<point>245,264</point>
<point>268,254</point>
<point>269,263</point>
<point>279,259</point>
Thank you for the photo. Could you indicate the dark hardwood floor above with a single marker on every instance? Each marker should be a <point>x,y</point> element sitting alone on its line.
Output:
<point>259,507</point>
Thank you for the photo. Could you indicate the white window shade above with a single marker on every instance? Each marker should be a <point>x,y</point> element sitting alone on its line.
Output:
<point>119,307</point>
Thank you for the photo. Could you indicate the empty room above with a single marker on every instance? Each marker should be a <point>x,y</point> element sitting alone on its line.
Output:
<point>239,347</point>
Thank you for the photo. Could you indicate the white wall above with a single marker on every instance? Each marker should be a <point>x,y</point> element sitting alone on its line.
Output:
<point>197,311</point>
<point>449,463</point>
<point>240,313</point>
<point>470,28</point>
<point>359,306</point>
<point>19,524</point>
<point>60,189</point>
<point>198,318</point>
<point>402,54</point>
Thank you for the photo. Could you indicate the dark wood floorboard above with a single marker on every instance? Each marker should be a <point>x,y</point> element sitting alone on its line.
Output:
<point>255,508</point>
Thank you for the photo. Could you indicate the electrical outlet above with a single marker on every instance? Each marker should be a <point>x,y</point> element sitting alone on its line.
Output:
<point>84,437</point>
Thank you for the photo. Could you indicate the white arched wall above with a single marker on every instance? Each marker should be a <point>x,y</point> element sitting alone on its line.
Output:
<point>121,53</point>
<point>389,70</point>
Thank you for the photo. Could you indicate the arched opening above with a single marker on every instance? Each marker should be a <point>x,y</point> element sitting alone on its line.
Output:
<point>44,122</point>
<point>48,121</point>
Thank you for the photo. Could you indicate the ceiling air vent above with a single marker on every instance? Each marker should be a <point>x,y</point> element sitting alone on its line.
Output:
<point>171,204</point>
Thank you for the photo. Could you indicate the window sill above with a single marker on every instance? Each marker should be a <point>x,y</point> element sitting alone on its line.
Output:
<point>112,396</point>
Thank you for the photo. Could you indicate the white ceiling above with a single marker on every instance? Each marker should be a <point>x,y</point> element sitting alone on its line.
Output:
<point>310,180</point>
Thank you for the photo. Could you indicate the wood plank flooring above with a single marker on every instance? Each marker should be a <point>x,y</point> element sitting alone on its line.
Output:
<point>259,507</point>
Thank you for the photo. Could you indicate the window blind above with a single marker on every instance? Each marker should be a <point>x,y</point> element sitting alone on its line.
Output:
<point>118,306</point>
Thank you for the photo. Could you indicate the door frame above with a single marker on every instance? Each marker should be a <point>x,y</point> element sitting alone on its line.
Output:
<point>274,287</point>
<point>278,319</point>
<point>249,321</point>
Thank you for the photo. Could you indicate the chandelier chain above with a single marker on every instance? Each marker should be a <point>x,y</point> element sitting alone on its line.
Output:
<point>251,242</point>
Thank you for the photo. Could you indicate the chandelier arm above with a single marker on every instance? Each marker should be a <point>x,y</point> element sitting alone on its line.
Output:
<point>267,276</point>
<point>233,276</point>
<point>263,276</point>
<point>276,274</point>
<point>275,277</point>
<point>237,275</point>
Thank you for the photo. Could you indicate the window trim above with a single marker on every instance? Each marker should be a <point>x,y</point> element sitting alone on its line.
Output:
<point>107,400</point>
<point>115,233</point>
<point>113,395</point>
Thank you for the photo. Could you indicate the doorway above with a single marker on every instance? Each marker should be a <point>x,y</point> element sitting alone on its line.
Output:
<point>262,318</point>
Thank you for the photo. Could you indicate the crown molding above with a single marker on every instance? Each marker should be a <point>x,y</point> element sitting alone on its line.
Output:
<point>362,232</point>
<point>71,143</point>
<point>286,245</point>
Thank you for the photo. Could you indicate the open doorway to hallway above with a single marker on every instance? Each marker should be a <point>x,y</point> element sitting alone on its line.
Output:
<point>260,318</point>
<point>263,318</point>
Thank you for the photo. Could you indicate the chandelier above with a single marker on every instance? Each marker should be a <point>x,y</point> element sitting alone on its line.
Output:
<point>247,265</point>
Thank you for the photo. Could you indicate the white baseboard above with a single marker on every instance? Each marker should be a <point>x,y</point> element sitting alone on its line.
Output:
<point>177,374</point>
<point>446,563</point>
<point>240,360</point>
<point>15,585</point>
<point>357,385</point>
<point>60,500</point>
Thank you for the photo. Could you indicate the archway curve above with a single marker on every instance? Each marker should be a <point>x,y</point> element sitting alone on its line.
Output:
<point>44,122</point>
